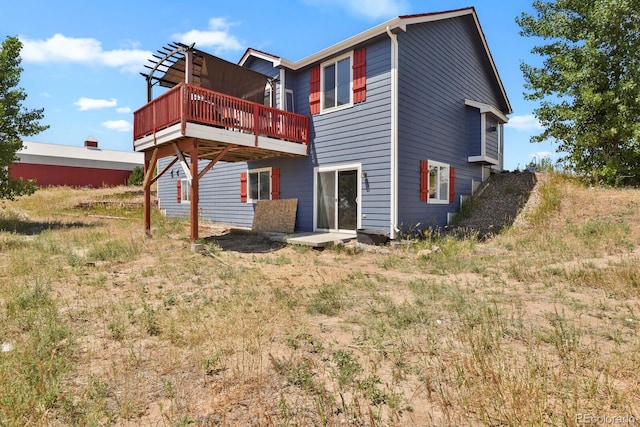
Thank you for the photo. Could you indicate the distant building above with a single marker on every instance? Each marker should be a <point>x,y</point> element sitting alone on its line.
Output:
<point>88,166</point>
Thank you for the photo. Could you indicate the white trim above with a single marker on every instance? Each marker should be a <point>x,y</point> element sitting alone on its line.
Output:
<point>196,130</point>
<point>440,201</point>
<point>185,186</point>
<point>293,101</point>
<point>393,185</point>
<point>487,108</point>
<point>281,81</point>
<point>483,159</point>
<point>334,61</point>
<point>336,168</point>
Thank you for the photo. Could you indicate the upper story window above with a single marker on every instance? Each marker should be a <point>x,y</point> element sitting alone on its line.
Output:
<point>339,82</point>
<point>268,95</point>
<point>336,83</point>
<point>289,104</point>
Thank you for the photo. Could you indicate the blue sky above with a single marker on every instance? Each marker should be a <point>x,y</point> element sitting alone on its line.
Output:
<point>82,59</point>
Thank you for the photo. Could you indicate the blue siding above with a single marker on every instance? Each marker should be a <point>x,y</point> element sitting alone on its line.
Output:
<point>474,134</point>
<point>219,193</point>
<point>359,134</point>
<point>440,65</point>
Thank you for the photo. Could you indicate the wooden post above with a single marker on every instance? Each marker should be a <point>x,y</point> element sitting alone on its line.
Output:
<point>193,154</point>
<point>150,159</point>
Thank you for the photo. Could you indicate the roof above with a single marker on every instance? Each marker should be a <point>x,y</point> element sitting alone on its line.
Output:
<point>40,149</point>
<point>399,23</point>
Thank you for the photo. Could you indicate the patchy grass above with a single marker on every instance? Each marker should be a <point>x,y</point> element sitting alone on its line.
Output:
<point>101,325</point>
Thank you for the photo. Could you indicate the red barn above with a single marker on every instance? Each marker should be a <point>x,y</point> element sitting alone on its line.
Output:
<point>88,166</point>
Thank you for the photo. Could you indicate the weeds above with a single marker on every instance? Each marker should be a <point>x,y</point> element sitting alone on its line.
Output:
<point>101,326</point>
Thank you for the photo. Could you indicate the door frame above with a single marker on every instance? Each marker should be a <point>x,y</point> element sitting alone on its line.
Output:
<point>337,168</point>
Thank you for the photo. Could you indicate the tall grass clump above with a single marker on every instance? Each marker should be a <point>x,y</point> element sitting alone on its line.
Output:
<point>37,344</point>
<point>550,192</point>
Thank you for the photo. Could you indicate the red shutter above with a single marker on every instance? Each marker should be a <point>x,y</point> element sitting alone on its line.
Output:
<point>452,184</point>
<point>179,191</point>
<point>314,90</point>
<point>360,75</point>
<point>275,183</point>
<point>243,187</point>
<point>424,180</point>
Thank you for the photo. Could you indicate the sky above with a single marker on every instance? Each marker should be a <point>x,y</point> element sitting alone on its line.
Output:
<point>82,60</point>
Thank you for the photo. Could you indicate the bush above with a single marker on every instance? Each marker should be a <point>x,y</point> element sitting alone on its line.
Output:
<point>136,177</point>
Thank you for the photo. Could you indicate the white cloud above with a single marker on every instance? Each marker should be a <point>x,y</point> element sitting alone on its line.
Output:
<point>85,104</point>
<point>123,110</point>
<point>371,9</point>
<point>525,123</point>
<point>118,125</point>
<point>216,36</point>
<point>88,51</point>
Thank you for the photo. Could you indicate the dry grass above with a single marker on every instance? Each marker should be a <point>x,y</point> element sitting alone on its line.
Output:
<point>537,326</point>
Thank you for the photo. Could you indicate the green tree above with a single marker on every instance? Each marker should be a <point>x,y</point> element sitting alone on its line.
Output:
<point>16,122</point>
<point>136,177</point>
<point>588,84</point>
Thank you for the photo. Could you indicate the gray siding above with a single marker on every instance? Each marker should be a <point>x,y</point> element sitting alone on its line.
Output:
<point>491,137</point>
<point>219,193</point>
<point>440,65</point>
<point>360,134</point>
<point>474,134</point>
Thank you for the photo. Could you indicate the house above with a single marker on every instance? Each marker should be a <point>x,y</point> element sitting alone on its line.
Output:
<point>387,130</point>
<point>88,166</point>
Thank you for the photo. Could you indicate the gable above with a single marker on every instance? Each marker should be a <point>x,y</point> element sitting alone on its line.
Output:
<point>397,25</point>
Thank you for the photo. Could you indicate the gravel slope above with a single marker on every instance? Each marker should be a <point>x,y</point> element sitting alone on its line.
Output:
<point>497,203</point>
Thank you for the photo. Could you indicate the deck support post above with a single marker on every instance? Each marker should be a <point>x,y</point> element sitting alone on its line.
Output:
<point>150,159</point>
<point>193,156</point>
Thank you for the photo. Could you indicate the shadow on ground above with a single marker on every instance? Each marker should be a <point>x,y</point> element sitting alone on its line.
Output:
<point>244,242</point>
<point>32,228</point>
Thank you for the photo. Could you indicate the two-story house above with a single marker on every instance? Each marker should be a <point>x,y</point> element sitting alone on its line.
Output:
<point>385,130</point>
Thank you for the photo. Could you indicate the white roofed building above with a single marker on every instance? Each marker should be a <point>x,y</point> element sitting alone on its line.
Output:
<point>88,166</point>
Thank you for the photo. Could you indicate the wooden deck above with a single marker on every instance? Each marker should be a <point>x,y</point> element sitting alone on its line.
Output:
<point>217,120</point>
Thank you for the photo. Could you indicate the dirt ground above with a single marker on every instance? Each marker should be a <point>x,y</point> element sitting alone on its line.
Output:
<point>520,329</point>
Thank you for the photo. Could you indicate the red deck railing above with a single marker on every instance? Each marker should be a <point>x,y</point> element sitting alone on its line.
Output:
<point>188,103</point>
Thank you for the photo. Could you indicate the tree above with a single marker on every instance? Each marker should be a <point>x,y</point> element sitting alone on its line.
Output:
<point>136,177</point>
<point>588,85</point>
<point>15,121</point>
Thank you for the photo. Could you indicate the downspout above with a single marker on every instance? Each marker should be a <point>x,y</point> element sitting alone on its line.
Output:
<point>393,217</point>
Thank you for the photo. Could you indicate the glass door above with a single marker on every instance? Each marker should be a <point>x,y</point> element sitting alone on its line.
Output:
<point>337,199</point>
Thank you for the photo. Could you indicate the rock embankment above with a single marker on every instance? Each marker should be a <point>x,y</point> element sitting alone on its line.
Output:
<point>497,203</point>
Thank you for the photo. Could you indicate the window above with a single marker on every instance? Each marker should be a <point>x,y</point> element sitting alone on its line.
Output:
<point>268,93</point>
<point>436,182</point>
<point>183,192</point>
<point>260,184</point>
<point>336,83</point>
<point>289,105</point>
